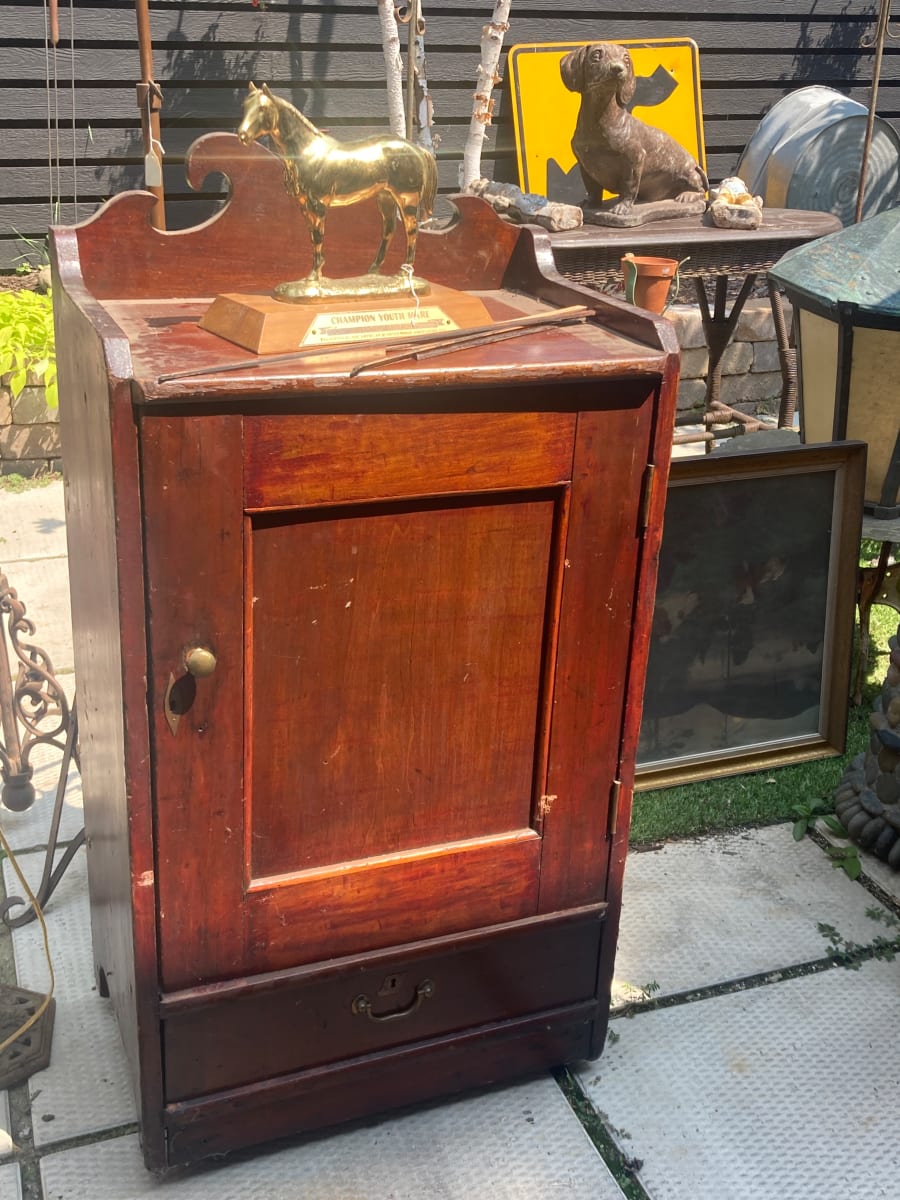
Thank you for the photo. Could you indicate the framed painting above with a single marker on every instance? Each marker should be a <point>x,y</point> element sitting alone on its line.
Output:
<point>752,640</point>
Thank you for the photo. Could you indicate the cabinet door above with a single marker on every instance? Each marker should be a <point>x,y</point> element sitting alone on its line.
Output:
<point>411,670</point>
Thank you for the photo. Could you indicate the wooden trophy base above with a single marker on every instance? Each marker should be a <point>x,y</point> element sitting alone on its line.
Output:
<point>266,325</point>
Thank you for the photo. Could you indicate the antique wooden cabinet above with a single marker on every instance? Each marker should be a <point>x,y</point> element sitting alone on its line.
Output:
<point>359,667</point>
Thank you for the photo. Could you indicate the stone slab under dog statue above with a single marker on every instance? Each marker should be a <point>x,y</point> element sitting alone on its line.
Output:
<point>649,173</point>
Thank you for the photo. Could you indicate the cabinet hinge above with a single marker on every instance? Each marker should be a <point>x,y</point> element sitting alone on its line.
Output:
<point>649,477</point>
<point>614,794</point>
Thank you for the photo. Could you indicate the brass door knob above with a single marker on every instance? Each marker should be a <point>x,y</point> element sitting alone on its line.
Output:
<point>200,661</point>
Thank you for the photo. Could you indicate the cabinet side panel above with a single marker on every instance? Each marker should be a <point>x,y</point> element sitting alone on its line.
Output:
<point>602,555</point>
<point>645,594</point>
<point>103,528</point>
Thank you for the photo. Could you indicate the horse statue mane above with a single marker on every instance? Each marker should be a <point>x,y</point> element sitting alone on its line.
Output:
<point>320,171</point>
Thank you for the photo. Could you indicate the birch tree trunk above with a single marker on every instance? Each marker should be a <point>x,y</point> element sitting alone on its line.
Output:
<point>424,105</point>
<point>483,104</point>
<point>390,42</point>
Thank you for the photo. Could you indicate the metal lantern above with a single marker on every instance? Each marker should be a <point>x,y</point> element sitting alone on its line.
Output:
<point>845,290</point>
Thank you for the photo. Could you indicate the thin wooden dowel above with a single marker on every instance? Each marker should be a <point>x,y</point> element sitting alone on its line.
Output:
<point>418,339</point>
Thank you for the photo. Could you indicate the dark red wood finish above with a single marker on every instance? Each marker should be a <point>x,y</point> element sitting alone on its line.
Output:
<point>428,592</point>
<point>304,1018</point>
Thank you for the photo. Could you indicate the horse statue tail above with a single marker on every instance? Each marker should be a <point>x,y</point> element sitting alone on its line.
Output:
<point>429,186</point>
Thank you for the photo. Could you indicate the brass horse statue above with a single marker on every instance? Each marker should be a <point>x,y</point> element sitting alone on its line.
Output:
<point>320,171</point>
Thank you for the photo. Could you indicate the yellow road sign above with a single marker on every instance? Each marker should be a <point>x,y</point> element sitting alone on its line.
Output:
<point>545,111</point>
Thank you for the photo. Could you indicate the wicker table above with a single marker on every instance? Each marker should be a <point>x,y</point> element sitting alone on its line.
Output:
<point>591,254</point>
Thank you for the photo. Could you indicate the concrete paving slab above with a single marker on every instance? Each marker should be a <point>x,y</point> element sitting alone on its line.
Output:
<point>10,1182</point>
<point>515,1143</point>
<point>874,868</point>
<point>87,1087</point>
<point>42,586</point>
<point>25,830</point>
<point>32,524</point>
<point>708,911</point>
<point>881,874</point>
<point>787,1091</point>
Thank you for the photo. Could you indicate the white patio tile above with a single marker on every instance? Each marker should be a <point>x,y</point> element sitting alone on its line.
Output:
<point>517,1143</point>
<point>881,874</point>
<point>87,1086</point>
<point>708,911</point>
<point>787,1091</point>
<point>31,828</point>
<point>10,1182</point>
<point>32,524</point>
<point>873,868</point>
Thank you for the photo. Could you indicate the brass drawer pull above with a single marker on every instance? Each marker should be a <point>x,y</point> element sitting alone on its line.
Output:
<point>362,1005</point>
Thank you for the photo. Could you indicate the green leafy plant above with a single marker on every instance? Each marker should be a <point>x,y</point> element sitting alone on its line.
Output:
<point>847,858</point>
<point>807,812</point>
<point>874,913</point>
<point>847,954</point>
<point>27,343</point>
<point>37,255</point>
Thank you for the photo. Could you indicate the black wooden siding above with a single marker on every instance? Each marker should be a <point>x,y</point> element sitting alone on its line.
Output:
<point>327,59</point>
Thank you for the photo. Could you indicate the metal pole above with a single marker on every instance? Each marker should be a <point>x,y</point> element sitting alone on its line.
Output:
<point>884,16</point>
<point>149,99</point>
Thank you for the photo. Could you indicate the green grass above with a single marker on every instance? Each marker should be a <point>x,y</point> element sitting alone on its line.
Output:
<point>764,797</point>
<point>27,483</point>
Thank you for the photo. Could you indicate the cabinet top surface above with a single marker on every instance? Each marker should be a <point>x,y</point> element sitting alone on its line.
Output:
<point>145,291</point>
<point>165,339</point>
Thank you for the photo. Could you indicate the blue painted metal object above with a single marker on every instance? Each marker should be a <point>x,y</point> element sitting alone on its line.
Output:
<point>859,265</point>
<point>845,290</point>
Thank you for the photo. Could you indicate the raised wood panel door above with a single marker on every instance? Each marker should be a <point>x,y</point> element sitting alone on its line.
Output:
<point>404,678</point>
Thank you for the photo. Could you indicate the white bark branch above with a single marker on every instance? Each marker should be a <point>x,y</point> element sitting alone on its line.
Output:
<point>424,105</point>
<point>483,105</point>
<point>393,64</point>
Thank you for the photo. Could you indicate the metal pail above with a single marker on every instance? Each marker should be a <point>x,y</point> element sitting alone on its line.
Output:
<point>807,151</point>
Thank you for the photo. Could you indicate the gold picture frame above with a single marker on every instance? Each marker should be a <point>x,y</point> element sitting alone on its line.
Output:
<point>752,641</point>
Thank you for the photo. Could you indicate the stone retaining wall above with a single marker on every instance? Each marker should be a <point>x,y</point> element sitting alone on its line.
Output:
<point>29,430</point>
<point>751,370</point>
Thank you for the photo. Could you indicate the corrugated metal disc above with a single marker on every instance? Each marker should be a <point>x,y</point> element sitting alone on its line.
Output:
<point>807,153</point>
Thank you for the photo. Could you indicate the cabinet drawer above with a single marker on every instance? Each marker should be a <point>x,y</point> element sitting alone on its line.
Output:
<point>244,1031</point>
<point>294,460</point>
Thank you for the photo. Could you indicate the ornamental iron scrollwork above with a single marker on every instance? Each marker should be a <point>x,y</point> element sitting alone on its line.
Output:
<point>34,701</point>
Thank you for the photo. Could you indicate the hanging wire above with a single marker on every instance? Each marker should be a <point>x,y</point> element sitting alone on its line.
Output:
<point>72,85</point>
<point>45,1002</point>
<point>53,152</point>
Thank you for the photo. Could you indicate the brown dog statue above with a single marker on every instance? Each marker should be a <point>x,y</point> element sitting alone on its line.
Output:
<point>615,151</point>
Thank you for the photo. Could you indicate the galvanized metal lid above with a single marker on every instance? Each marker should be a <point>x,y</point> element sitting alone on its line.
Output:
<point>807,151</point>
